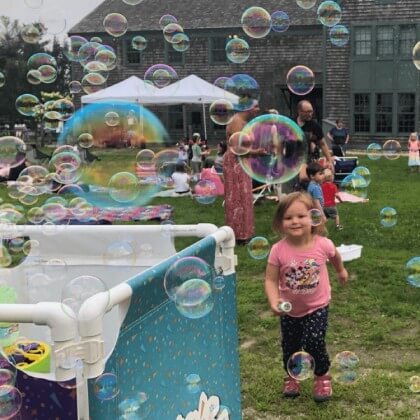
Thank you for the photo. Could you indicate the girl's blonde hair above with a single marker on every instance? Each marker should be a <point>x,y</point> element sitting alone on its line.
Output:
<point>284,205</point>
<point>413,135</point>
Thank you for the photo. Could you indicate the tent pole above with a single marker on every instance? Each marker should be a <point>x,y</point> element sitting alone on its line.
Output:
<point>204,121</point>
<point>184,120</point>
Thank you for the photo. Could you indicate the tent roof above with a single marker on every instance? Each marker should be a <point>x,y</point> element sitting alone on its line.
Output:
<point>192,90</point>
<point>132,89</point>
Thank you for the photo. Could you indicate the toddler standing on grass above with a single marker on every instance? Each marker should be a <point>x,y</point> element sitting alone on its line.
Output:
<point>315,173</point>
<point>330,193</point>
<point>297,273</point>
<point>413,152</point>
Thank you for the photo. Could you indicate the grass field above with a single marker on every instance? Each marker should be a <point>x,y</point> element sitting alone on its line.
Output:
<point>377,315</point>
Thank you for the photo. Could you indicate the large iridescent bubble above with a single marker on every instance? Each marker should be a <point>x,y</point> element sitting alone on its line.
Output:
<point>237,50</point>
<point>246,87</point>
<point>277,149</point>
<point>90,121</point>
<point>115,24</point>
<point>256,22</point>
<point>300,80</point>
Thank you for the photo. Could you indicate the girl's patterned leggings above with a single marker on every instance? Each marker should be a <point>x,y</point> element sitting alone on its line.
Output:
<point>306,333</point>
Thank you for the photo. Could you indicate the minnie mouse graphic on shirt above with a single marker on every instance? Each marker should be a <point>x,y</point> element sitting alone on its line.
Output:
<point>302,277</point>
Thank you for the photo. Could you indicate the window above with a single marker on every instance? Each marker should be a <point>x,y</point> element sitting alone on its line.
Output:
<point>218,51</point>
<point>406,112</point>
<point>362,41</point>
<point>407,39</point>
<point>384,112</point>
<point>361,112</point>
<point>131,56</point>
<point>173,56</point>
<point>385,41</point>
<point>176,119</point>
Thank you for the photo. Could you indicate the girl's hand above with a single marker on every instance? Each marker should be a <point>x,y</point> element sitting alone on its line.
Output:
<point>343,277</point>
<point>275,307</point>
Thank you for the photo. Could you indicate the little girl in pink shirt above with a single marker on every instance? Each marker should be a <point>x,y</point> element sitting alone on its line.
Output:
<point>413,152</point>
<point>297,273</point>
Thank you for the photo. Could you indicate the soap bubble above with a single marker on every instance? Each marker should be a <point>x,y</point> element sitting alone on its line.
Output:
<point>112,119</point>
<point>316,217</point>
<point>329,13</point>
<point>281,144</point>
<point>363,172</point>
<point>344,368</point>
<point>35,61</point>
<point>166,20</point>
<point>7,363</point>
<point>280,21</point>
<point>160,75</point>
<point>301,366</point>
<point>169,31</point>
<point>221,82</point>
<point>93,82</point>
<point>246,87</point>
<point>391,149</point>
<point>33,77</point>
<point>180,42</point>
<point>145,159</point>
<point>300,80</point>
<point>115,24</point>
<point>2,79</point>
<point>64,108</point>
<point>136,407</point>
<point>12,151</point>
<point>120,252</point>
<point>26,104</point>
<point>258,248</point>
<point>10,402</point>
<point>306,4</point>
<point>221,111</point>
<point>184,269</point>
<point>124,187</point>
<point>107,58</point>
<point>256,22</point>
<point>354,184</point>
<point>96,39</point>
<point>415,384</point>
<point>339,35</point>
<point>374,151</point>
<point>31,34</point>
<point>205,192</point>
<point>219,282</point>
<point>72,46</point>
<point>193,381</point>
<point>194,298</point>
<point>146,129</point>
<point>240,143</point>
<point>85,140</point>
<point>78,290</point>
<point>105,387</point>
<point>416,55</point>
<point>75,86</point>
<point>139,43</point>
<point>412,269</point>
<point>132,2</point>
<point>48,74</point>
<point>87,52</point>
<point>388,217</point>
<point>237,50</point>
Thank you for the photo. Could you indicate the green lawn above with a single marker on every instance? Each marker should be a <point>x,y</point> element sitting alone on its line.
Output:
<point>377,315</point>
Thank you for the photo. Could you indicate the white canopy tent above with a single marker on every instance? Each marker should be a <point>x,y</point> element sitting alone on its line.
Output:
<point>190,90</point>
<point>132,89</point>
<point>193,90</point>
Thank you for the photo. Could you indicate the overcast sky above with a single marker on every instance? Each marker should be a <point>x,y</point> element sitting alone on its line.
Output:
<point>60,15</point>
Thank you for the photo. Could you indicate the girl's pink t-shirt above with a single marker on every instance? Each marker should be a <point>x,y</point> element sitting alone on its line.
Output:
<point>303,274</point>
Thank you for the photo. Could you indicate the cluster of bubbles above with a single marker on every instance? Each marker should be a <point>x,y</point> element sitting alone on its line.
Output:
<point>391,150</point>
<point>344,368</point>
<point>357,182</point>
<point>174,33</point>
<point>301,366</point>
<point>188,283</point>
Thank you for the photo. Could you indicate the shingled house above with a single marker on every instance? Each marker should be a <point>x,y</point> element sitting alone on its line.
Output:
<point>371,82</point>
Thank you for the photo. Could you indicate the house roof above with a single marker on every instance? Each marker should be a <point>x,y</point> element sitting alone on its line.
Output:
<point>194,14</point>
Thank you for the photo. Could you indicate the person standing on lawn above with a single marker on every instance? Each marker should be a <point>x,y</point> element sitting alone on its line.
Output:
<point>239,209</point>
<point>297,273</point>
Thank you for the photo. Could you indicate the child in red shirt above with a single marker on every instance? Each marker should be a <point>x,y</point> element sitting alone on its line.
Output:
<point>330,192</point>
